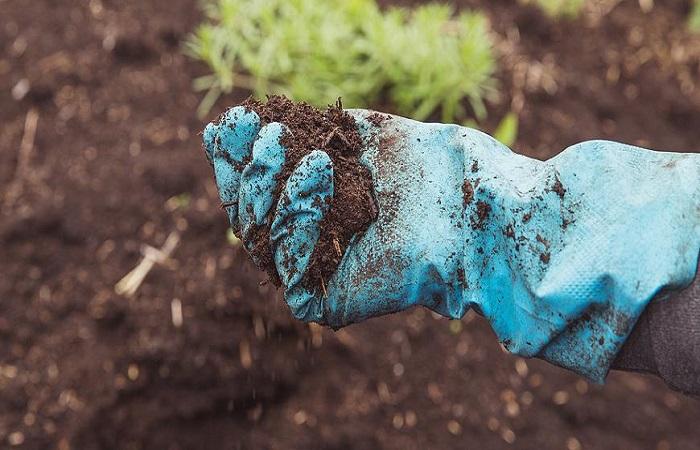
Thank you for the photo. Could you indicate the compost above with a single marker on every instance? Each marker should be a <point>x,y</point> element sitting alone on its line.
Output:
<point>352,206</point>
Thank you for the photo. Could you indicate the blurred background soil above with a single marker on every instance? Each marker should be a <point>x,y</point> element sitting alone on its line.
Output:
<point>116,163</point>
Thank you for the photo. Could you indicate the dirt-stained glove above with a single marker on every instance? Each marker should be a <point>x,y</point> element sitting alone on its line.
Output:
<point>561,256</point>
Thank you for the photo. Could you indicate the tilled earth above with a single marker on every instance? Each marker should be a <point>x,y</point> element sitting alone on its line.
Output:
<point>115,164</point>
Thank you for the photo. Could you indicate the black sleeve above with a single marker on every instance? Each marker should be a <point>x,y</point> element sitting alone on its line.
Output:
<point>666,340</point>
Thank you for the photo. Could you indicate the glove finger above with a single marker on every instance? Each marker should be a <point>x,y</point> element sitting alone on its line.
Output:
<point>305,305</point>
<point>369,122</point>
<point>305,200</point>
<point>228,144</point>
<point>259,179</point>
<point>209,135</point>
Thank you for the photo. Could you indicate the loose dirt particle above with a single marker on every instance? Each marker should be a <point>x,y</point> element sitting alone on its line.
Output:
<point>558,188</point>
<point>509,231</point>
<point>467,192</point>
<point>483,210</point>
<point>377,118</point>
<point>462,278</point>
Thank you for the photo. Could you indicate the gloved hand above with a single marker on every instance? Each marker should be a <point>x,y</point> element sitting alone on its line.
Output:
<point>560,256</point>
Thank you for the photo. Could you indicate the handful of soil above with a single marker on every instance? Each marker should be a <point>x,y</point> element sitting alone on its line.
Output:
<point>352,208</point>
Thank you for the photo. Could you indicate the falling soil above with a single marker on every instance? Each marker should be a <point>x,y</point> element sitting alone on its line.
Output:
<point>352,207</point>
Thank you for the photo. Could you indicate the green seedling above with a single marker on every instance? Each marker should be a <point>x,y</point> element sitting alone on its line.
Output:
<point>694,20</point>
<point>507,130</point>
<point>561,9</point>
<point>423,62</point>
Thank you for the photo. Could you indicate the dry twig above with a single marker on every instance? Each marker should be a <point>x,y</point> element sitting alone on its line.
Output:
<point>151,255</point>
<point>323,287</point>
<point>336,245</point>
<point>24,157</point>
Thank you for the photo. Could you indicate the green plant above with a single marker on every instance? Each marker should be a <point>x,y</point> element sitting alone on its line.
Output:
<point>694,20</point>
<point>567,9</point>
<point>507,130</point>
<point>422,61</point>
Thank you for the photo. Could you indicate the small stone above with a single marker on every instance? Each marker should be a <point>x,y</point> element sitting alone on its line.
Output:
<point>560,398</point>
<point>21,89</point>
<point>434,392</point>
<point>535,380</point>
<point>521,367</point>
<point>8,371</point>
<point>398,421</point>
<point>411,419</point>
<point>300,417</point>
<point>512,409</point>
<point>245,355</point>
<point>454,427</point>
<point>507,395</point>
<point>16,438</point>
<point>133,372</point>
<point>508,435</point>
<point>573,444</point>
<point>29,419</point>
<point>492,424</point>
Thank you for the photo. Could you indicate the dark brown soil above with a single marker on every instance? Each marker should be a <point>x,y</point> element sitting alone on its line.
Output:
<point>558,188</point>
<point>467,192</point>
<point>483,210</point>
<point>116,148</point>
<point>352,207</point>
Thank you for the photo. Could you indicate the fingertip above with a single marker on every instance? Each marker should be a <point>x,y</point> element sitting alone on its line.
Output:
<point>209,140</point>
<point>368,123</point>
<point>244,119</point>
<point>238,129</point>
<point>358,113</point>
<point>313,174</point>
<point>259,177</point>
<point>272,132</point>
<point>229,143</point>
<point>317,158</point>
<point>305,305</point>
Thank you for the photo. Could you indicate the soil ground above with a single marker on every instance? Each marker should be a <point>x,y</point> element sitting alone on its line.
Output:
<point>116,163</point>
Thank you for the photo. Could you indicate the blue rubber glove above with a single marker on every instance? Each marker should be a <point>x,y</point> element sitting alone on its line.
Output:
<point>560,256</point>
